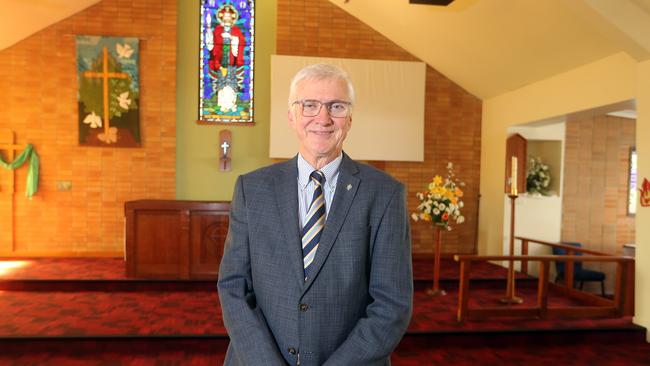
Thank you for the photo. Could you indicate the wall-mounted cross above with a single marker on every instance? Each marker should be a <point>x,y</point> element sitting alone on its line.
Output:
<point>225,147</point>
<point>225,153</point>
<point>7,228</point>
<point>9,146</point>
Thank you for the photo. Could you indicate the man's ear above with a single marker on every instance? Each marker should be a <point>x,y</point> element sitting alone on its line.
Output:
<point>291,118</point>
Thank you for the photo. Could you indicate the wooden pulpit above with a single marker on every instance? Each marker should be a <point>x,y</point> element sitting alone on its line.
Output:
<point>175,239</point>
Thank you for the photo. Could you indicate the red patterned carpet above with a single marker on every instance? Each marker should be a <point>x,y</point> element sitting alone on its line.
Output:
<point>86,312</point>
<point>88,302</point>
<point>113,269</point>
<point>114,352</point>
<point>172,313</point>
<point>62,269</point>
<point>574,349</point>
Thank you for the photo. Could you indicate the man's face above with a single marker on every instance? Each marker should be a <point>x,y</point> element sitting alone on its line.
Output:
<point>227,19</point>
<point>320,136</point>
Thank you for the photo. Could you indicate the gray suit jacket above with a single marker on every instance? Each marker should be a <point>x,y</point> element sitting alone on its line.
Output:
<point>357,304</point>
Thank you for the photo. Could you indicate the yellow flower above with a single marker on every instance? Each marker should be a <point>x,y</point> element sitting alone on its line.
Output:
<point>440,202</point>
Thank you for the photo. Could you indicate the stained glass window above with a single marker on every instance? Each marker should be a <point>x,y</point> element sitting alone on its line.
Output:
<point>227,55</point>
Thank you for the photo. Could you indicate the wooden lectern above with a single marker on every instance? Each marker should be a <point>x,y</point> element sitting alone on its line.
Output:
<point>175,239</point>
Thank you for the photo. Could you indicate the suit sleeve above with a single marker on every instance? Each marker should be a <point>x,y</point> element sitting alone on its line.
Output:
<point>391,287</point>
<point>248,331</point>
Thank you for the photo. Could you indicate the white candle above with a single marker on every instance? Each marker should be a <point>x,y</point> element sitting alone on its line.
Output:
<point>513,176</point>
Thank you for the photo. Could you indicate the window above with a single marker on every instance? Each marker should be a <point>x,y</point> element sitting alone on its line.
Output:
<point>632,191</point>
<point>226,67</point>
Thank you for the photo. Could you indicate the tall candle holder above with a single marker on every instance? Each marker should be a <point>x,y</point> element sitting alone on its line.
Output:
<point>511,298</point>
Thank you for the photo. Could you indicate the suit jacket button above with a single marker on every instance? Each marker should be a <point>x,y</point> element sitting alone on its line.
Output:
<point>304,307</point>
<point>292,350</point>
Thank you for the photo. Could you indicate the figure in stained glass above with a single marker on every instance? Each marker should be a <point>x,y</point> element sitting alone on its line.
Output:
<point>227,35</point>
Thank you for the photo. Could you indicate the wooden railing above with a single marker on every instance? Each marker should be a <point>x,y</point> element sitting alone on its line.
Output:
<point>628,282</point>
<point>621,304</point>
<point>570,250</point>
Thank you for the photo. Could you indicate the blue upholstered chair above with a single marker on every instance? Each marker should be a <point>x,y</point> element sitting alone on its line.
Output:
<point>580,275</point>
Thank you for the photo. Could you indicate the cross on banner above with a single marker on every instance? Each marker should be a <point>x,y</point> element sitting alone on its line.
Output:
<point>105,76</point>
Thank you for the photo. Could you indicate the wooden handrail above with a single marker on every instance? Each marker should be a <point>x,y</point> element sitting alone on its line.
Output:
<point>562,246</point>
<point>569,275</point>
<point>583,258</point>
<point>596,306</point>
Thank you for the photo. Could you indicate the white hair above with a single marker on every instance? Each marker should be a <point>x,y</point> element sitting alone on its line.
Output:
<point>320,72</point>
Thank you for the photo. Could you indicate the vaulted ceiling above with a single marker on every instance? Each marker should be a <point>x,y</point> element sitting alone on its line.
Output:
<point>22,18</point>
<point>490,47</point>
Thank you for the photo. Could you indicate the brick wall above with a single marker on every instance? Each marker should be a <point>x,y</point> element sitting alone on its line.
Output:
<point>452,115</point>
<point>596,167</point>
<point>38,77</point>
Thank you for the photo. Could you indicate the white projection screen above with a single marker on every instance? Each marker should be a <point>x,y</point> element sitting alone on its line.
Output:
<point>388,116</point>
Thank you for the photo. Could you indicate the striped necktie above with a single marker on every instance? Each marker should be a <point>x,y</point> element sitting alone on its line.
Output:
<point>314,222</point>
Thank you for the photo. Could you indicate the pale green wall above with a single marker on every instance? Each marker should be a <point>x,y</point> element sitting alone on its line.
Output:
<point>197,172</point>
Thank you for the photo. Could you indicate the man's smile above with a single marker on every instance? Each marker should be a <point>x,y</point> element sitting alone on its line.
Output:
<point>321,133</point>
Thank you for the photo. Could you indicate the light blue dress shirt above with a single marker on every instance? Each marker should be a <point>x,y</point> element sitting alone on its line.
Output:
<point>306,186</point>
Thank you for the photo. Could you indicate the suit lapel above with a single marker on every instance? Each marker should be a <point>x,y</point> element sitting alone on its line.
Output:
<point>346,189</point>
<point>286,195</point>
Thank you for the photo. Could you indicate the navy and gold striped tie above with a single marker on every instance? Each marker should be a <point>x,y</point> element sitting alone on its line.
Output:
<point>314,222</point>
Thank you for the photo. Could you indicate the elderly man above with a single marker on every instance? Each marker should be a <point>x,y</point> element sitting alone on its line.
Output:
<point>317,263</point>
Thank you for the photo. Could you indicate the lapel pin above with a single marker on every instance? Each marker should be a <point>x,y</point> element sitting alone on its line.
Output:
<point>349,187</point>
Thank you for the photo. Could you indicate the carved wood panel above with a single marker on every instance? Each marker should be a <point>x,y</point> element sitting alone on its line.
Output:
<point>208,234</point>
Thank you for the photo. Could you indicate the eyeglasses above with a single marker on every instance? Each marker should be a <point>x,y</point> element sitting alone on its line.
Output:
<point>336,108</point>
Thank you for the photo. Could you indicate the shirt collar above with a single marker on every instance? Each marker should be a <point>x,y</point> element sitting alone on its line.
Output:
<point>330,170</point>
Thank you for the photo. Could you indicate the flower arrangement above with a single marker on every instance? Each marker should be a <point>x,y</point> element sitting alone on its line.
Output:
<point>538,177</point>
<point>442,202</point>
